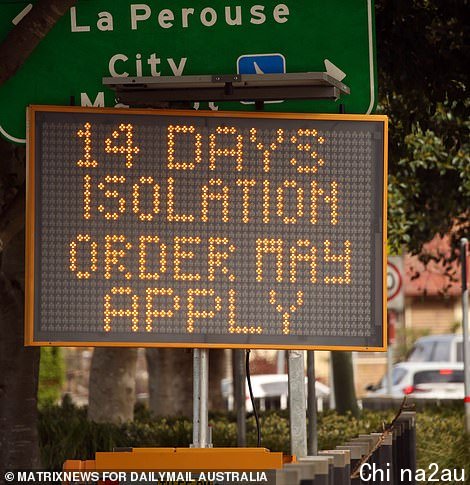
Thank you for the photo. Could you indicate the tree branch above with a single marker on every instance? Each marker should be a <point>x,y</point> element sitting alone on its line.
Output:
<point>13,218</point>
<point>26,36</point>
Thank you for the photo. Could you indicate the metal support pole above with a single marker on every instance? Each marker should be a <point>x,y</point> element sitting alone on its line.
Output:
<point>332,381</point>
<point>201,438</point>
<point>408,457</point>
<point>204,441</point>
<point>341,463</point>
<point>297,404</point>
<point>389,362</point>
<point>239,394</point>
<point>389,369</point>
<point>312,405</point>
<point>398,447</point>
<point>196,395</point>
<point>323,469</point>
<point>281,362</point>
<point>466,337</point>
<point>385,459</point>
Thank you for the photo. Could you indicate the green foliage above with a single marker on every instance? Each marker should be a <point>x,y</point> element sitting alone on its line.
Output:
<point>65,433</point>
<point>51,375</point>
<point>455,326</point>
<point>442,440</point>
<point>422,63</point>
<point>429,190</point>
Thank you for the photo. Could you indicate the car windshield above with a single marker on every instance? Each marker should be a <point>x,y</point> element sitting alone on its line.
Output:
<point>441,352</point>
<point>432,351</point>
<point>397,376</point>
<point>438,376</point>
<point>421,352</point>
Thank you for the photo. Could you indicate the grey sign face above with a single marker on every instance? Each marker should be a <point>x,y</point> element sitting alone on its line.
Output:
<point>198,229</point>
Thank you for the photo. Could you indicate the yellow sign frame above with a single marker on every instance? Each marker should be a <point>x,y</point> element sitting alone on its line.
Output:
<point>30,223</point>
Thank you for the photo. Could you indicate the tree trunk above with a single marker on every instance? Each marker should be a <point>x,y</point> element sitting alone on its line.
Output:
<point>170,381</point>
<point>343,377</point>
<point>239,393</point>
<point>217,371</point>
<point>19,368</point>
<point>112,385</point>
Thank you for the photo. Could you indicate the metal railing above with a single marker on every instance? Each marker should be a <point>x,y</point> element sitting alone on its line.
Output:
<point>387,458</point>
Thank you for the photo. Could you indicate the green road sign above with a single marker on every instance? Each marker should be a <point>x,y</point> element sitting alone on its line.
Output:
<point>107,38</point>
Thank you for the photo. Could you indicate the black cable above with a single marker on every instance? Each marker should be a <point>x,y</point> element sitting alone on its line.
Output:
<point>255,411</point>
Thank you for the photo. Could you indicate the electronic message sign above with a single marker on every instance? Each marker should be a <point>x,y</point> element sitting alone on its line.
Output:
<point>204,229</point>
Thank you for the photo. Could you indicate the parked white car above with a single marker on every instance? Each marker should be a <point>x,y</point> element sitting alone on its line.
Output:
<point>423,380</point>
<point>437,348</point>
<point>270,392</point>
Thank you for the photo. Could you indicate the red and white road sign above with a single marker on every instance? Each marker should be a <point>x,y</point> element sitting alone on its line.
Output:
<point>395,283</point>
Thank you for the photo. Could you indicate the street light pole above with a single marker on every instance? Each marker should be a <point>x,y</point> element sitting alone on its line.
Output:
<point>466,341</point>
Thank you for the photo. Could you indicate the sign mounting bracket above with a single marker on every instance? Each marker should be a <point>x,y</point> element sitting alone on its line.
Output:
<point>147,91</point>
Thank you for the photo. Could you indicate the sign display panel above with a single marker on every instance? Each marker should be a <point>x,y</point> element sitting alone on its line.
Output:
<point>200,229</point>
